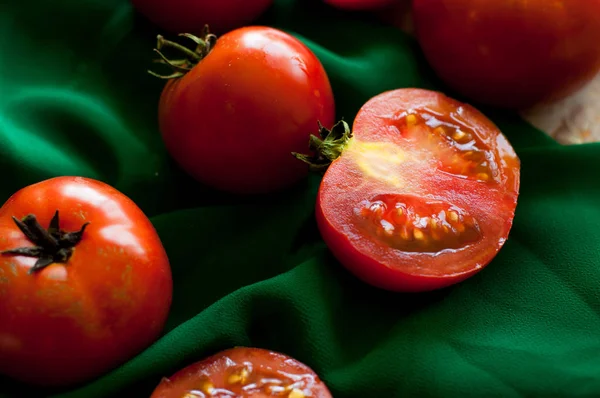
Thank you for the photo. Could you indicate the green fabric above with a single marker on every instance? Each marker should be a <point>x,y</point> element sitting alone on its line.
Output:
<point>75,100</point>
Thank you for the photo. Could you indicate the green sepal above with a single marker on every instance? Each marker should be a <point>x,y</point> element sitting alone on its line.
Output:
<point>179,67</point>
<point>327,147</point>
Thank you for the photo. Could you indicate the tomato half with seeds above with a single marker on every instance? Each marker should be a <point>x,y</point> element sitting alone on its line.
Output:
<point>85,283</point>
<point>423,194</point>
<point>244,373</point>
<point>233,109</point>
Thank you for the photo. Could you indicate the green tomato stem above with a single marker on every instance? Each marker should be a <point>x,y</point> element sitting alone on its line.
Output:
<point>327,147</point>
<point>190,58</point>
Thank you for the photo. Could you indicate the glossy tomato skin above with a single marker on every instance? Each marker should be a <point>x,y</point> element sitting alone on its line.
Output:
<point>190,16</point>
<point>234,119</point>
<point>246,373</point>
<point>511,54</point>
<point>409,207</point>
<point>359,5</point>
<point>69,323</point>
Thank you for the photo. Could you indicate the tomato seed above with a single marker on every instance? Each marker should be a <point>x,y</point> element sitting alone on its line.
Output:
<point>296,393</point>
<point>459,135</point>
<point>193,394</point>
<point>452,216</point>
<point>483,176</point>
<point>406,228</point>
<point>406,234</point>
<point>419,235</point>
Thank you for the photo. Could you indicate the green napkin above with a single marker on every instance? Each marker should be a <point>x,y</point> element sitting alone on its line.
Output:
<point>75,99</point>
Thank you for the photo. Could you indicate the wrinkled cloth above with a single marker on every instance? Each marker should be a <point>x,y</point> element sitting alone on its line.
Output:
<point>75,99</point>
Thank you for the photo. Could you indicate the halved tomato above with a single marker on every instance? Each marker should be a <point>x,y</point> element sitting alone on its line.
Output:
<point>423,194</point>
<point>244,372</point>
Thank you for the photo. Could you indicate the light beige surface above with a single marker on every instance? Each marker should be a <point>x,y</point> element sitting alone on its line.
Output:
<point>574,120</point>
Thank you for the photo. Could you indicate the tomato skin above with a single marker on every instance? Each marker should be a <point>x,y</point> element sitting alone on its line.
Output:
<point>69,323</point>
<point>234,119</point>
<point>380,159</point>
<point>512,54</point>
<point>356,5</point>
<point>190,16</point>
<point>216,372</point>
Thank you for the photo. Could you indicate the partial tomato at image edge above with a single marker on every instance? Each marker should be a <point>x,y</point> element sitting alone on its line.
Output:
<point>362,5</point>
<point>189,16</point>
<point>85,283</point>
<point>510,54</point>
<point>245,372</point>
<point>419,195</point>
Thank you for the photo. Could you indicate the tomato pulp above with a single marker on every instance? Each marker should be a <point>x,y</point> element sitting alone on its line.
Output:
<point>246,373</point>
<point>254,97</point>
<point>85,283</point>
<point>511,53</point>
<point>423,194</point>
<point>190,16</point>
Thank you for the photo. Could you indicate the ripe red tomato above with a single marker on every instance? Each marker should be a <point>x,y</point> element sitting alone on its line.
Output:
<point>511,53</point>
<point>245,373</point>
<point>361,4</point>
<point>85,283</point>
<point>233,119</point>
<point>190,16</point>
<point>423,195</point>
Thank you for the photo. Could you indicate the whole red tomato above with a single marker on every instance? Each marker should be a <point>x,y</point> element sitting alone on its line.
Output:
<point>361,4</point>
<point>511,53</point>
<point>231,116</point>
<point>423,194</point>
<point>190,16</point>
<point>244,373</point>
<point>85,283</point>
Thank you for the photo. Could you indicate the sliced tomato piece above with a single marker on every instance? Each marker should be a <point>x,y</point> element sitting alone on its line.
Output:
<point>245,373</point>
<point>423,194</point>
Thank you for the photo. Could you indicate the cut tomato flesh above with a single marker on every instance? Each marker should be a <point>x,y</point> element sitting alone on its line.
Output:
<point>457,147</point>
<point>244,372</point>
<point>413,225</point>
<point>423,195</point>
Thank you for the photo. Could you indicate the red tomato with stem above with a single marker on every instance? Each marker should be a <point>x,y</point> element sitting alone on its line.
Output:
<point>235,108</point>
<point>245,373</point>
<point>190,16</point>
<point>355,5</point>
<point>85,283</point>
<point>511,53</point>
<point>420,195</point>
